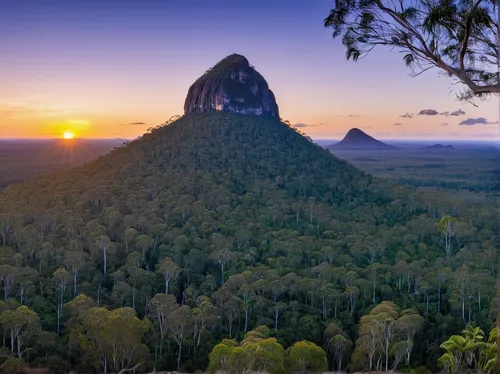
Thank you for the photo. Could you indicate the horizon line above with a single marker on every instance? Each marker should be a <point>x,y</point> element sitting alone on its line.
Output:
<point>314,139</point>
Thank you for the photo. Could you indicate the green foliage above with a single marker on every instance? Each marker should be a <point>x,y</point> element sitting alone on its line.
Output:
<point>420,370</point>
<point>223,227</point>
<point>254,354</point>
<point>470,351</point>
<point>457,37</point>
<point>14,366</point>
<point>306,357</point>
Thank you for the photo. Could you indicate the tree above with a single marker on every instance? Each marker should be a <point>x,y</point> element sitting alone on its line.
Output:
<point>23,324</point>
<point>78,308</point>
<point>408,324</point>
<point>306,357</point>
<point>447,227</point>
<point>103,243</point>
<point>457,37</point>
<point>469,351</point>
<point>160,308</point>
<point>266,355</point>
<point>61,279</point>
<point>90,340</point>
<point>220,358</point>
<point>74,261</point>
<point>170,271</point>
<point>386,314</point>
<point>179,325</point>
<point>341,347</point>
<point>222,257</point>
<point>123,333</point>
<point>8,275</point>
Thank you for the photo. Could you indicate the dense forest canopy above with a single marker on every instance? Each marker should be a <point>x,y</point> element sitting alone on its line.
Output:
<point>230,238</point>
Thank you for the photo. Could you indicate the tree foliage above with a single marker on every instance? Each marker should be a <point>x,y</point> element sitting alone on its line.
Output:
<point>235,231</point>
<point>457,37</point>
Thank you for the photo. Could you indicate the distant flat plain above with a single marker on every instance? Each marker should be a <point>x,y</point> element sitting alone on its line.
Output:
<point>25,159</point>
<point>468,166</point>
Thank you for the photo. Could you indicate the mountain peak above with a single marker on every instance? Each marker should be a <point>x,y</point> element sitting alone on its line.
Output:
<point>232,85</point>
<point>358,139</point>
<point>234,59</point>
<point>357,132</point>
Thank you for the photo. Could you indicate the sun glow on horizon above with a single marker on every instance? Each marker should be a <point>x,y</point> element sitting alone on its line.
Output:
<point>68,135</point>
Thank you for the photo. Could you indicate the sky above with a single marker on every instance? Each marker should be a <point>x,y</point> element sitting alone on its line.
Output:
<point>112,69</point>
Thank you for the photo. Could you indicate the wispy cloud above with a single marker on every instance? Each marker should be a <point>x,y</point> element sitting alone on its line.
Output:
<point>407,115</point>
<point>301,125</point>
<point>427,112</point>
<point>398,124</point>
<point>137,123</point>
<point>459,112</point>
<point>456,113</point>
<point>444,124</point>
<point>477,121</point>
<point>350,115</point>
<point>20,109</point>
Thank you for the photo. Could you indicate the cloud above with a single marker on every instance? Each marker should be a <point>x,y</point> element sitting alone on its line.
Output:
<point>137,123</point>
<point>477,121</point>
<point>456,113</point>
<point>21,108</point>
<point>432,112</point>
<point>354,115</point>
<point>444,124</point>
<point>398,124</point>
<point>459,112</point>
<point>301,125</point>
<point>427,112</point>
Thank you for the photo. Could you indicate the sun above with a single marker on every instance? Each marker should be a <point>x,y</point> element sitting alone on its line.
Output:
<point>68,135</point>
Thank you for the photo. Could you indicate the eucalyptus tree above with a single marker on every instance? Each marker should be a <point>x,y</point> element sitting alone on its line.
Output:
<point>460,38</point>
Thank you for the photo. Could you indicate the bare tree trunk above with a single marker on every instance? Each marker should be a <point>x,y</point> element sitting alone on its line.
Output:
<point>74,283</point>
<point>246,318</point>
<point>179,357</point>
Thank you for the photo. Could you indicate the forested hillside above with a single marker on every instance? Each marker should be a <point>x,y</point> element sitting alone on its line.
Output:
<point>222,226</point>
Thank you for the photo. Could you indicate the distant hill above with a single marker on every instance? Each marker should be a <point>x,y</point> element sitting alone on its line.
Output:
<point>439,147</point>
<point>359,140</point>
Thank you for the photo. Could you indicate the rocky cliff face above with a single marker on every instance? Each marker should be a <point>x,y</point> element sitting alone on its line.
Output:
<point>232,85</point>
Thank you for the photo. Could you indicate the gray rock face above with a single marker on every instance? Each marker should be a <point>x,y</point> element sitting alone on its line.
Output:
<point>232,85</point>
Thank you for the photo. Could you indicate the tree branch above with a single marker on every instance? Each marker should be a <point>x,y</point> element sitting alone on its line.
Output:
<point>465,42</point>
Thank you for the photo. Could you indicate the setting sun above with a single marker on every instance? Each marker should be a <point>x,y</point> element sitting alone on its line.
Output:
<point>68,135</point>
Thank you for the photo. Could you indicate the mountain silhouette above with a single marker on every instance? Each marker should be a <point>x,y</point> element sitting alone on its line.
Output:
<point>357,139</point>
<point>439,147</point>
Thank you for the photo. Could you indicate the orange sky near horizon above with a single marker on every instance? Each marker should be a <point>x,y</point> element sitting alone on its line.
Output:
<point>33,119</point>
<point>115,71</point>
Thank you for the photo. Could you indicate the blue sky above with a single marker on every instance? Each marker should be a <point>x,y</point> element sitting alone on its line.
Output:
<point>114,68</point>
